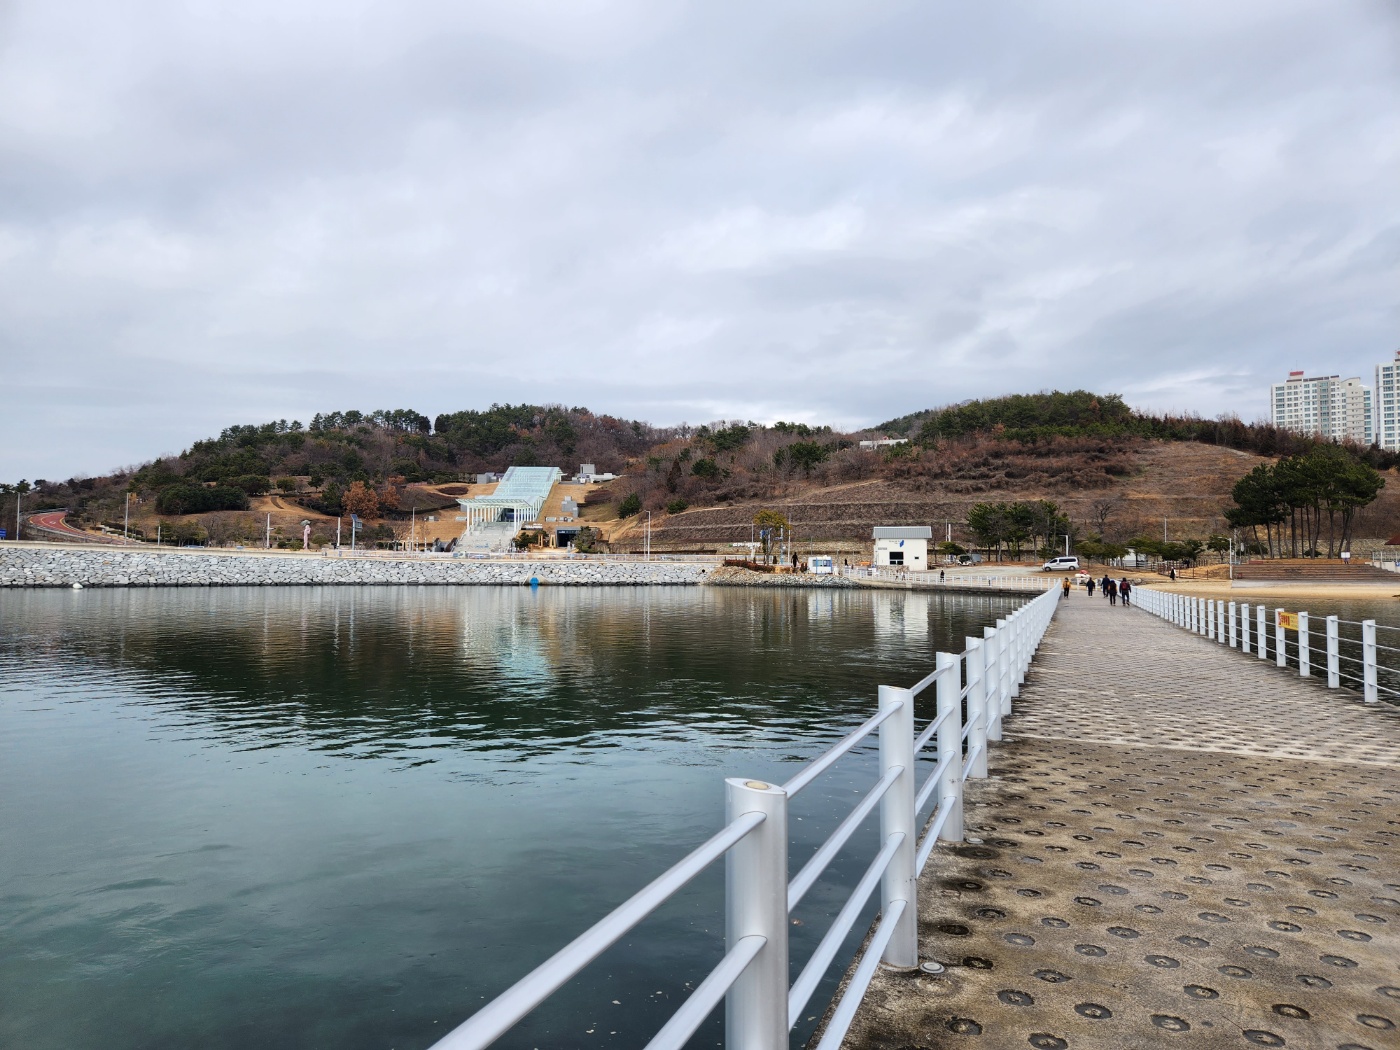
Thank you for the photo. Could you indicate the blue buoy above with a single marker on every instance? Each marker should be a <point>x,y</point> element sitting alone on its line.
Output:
<point>534,581</point>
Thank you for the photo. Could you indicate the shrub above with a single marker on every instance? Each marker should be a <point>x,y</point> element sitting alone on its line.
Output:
<point>184,498</point>
<point>676,506</point>
<point>629,506</point>
<point>252,484</point>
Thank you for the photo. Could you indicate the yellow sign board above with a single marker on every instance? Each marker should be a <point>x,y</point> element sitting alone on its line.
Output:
<point>1288,621</point>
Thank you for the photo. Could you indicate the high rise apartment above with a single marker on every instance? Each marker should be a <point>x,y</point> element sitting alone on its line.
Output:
<point>1329,406</point>
<point>1387,415</point>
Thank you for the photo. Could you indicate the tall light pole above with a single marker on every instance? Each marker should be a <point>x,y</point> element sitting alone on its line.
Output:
<point>126,518</point>
<point>20,490</point>
<point>647,546</point>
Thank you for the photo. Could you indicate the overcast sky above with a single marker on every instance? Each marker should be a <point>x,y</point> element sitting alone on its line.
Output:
<point>215,213</point>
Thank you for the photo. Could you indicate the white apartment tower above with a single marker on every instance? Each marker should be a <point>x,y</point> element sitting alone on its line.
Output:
<point>1387,415</point>
<point>1329,406</point>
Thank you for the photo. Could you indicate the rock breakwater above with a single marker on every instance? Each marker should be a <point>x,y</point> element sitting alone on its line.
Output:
<point>51,567</point>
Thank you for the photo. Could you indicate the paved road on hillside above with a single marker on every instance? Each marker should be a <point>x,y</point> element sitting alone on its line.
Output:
<point>53,522</point>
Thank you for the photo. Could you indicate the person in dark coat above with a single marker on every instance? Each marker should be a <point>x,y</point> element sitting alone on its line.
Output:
<point>1103,584</point>
<point>1111,589</point>
<point>1126,590</point>
<point>1090,586</point>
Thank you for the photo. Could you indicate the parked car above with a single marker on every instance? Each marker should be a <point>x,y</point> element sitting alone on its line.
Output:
<point>969,559</point>
<point>1063,563</point>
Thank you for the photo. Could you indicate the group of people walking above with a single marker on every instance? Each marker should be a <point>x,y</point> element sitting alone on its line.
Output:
<point>1109,587</point>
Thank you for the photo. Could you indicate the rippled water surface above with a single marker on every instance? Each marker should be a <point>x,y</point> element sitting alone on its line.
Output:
<point>347,817</point>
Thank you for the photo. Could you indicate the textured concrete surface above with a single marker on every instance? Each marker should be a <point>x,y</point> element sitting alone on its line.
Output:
<point>1178,845</point>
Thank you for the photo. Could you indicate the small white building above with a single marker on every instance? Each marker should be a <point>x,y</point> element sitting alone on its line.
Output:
<point>902,546</point>
<point>875,443</point>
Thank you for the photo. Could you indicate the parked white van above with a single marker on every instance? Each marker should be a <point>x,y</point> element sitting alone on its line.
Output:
<point>1063,563</point>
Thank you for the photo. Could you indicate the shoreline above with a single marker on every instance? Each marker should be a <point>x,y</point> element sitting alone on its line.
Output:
<point>1380,590</point>
<point>81,566</point>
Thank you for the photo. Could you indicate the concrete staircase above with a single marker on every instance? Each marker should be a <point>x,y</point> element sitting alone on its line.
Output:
<point>484,539</point>
<point>1311,570</point>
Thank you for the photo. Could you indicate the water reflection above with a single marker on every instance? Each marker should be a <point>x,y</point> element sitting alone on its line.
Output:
<point>345,817</point>
<point>493,668</point>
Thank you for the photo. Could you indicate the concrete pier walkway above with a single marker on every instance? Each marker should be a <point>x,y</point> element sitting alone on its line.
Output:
<point>1178,845</point>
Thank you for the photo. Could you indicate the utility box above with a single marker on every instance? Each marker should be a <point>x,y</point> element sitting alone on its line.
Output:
<point>902,546</point>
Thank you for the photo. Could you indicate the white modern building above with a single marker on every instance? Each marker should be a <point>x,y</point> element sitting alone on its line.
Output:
<point>1387,405</point>
<point>1328,406</point>
<point>492,521</point>
<point>902,546</point>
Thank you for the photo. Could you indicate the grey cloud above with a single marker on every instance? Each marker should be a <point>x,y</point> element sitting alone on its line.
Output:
<point>840,212</point>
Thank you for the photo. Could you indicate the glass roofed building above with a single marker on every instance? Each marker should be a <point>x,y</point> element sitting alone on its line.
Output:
<point>492,521</point>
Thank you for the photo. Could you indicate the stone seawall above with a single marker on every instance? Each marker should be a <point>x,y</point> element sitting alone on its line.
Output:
<point>49,567</point>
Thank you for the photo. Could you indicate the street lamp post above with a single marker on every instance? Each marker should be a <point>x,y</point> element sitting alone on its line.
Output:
<point>126,518</point>
<point>647,545</point>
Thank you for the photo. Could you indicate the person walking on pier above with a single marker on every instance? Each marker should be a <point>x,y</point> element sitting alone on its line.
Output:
<point>1090,586</point>
<point>1103,584</point>
<point>1066,587</point>
<point>1126,590</point>
<point>1111,589</point>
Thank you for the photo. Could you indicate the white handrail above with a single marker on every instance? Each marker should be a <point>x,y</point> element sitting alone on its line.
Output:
<point>754,844</point>
<point>1246,629</point>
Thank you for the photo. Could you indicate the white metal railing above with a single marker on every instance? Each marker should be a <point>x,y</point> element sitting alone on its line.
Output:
<point>1349,652</point>
<point>974,691</point>
<point>937,578</point>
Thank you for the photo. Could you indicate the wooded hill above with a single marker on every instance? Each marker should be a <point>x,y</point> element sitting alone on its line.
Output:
<point>1077,447</point>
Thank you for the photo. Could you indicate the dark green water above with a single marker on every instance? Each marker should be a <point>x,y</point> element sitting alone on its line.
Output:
<point>346,818</point>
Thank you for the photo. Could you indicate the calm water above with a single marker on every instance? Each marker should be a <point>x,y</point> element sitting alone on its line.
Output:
<point>346,818</point>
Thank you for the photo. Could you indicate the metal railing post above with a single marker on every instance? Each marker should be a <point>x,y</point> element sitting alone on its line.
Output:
<point>755,891</point>
<point>1368,660</point>
<point>1262,632</point>
<point>1212,619</point>
<point>1244,628</point>
<point>1234,626</point>
<point>991,676</point>
<point>1003,673</point>
<point>977,704</point>
<point>950,746</point>
<point>1304,647</point>
<point>1280,640</point>
<point>897,817</point>
<point>1016,625</point>
<point>1334,648</point>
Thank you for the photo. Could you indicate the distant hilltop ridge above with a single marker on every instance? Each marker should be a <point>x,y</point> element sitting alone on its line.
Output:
<point>393,465</point>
